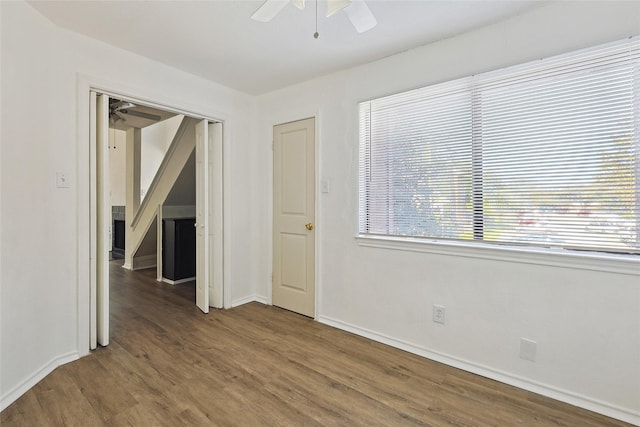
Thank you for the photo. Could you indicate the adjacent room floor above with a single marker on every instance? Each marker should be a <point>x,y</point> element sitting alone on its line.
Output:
<point>169,364</point>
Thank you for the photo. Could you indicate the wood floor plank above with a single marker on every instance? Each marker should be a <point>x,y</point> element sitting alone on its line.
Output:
<point>254,365</point>
<point>143,381</point>
<point>63,402</point>
<point>188,418</point>
<point>27,411</point>
<point>100,387</point>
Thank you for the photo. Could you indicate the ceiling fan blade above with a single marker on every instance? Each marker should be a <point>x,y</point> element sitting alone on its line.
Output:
<point>269,10</point>
<point>141,115</point>
<point>360,16</point>
<point>298,3</point>
<point>334,6</point>
<point>116,117</point>
<point>121,105</point>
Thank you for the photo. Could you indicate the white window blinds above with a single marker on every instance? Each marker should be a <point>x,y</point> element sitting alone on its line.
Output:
<point>544,154</point>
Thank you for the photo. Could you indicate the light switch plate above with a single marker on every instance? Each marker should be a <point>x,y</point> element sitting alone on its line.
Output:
<point>62,180</point>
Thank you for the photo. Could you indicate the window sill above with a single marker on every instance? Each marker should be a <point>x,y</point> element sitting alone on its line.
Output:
<point>621,264</point>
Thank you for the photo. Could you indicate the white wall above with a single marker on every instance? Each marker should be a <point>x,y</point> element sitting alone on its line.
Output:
<point>586,323</point>
<point>156,140</point>
<point>41,278</point>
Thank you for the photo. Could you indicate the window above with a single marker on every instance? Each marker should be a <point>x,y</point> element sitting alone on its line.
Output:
<point>544,154</point>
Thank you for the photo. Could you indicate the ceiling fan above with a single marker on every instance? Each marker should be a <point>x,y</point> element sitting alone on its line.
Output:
<point>357,10</point>
<point>118,110</point>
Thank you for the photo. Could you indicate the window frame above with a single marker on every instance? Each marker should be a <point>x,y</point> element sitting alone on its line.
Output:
<point>553,257</point>
<point>582,258</point>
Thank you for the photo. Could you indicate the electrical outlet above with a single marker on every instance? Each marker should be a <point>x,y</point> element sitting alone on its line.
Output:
<point>528,349</point>
<point>438,314</point>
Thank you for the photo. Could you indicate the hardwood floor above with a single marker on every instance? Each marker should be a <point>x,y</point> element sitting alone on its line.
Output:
<point>168,364</point>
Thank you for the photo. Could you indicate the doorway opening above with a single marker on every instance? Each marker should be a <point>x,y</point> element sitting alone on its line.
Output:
<point>156,200</point>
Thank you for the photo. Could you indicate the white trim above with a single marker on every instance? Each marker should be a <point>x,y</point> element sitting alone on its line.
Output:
<point>21,388</point>
<point>226,215</point>
<point>565,396</point>
<point>159,239</point>
<point>103,218</point>
<point>156,100</point>
<point>177,282</point>
<point>318,217</point>
<point>93,227</point>
<point>621,264</point>
<point>247,300</point>
<point>83,224</point>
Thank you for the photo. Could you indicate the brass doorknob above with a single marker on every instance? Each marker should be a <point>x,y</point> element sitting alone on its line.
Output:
<point>309,226</point>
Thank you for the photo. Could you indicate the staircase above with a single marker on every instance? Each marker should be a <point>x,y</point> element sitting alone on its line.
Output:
<point>176,157</point>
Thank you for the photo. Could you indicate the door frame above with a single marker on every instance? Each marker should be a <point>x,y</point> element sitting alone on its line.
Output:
<point>85,167</point>
<point>273,122</point>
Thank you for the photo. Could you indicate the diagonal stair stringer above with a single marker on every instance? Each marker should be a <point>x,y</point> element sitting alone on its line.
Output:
<point>182,145</point>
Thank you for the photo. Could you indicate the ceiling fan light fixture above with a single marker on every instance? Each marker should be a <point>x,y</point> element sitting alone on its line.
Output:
<point>356,10</point>
<point>360,16</point>
<point>334,6</point>
<point>269,10</point>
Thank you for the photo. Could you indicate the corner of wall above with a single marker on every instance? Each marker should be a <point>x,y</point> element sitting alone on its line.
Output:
<point>14,394</point>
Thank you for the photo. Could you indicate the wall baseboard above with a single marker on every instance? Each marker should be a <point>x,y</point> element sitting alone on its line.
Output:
<point>177,282</point>
<point>144,261</point>
<point>565,396</point>
<point>246,300</point>
<point>12,395</point>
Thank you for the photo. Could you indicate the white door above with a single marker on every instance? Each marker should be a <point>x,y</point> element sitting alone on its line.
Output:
<point>215,215</point>
<point>202,216</point>
<point>100,243</point>
<point>294,179</point>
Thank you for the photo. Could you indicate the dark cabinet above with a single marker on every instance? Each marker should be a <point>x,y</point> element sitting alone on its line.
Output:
<point>117,248</point>
<point>178,248</point>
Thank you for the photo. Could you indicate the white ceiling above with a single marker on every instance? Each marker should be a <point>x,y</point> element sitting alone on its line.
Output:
<point>219,41</point>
